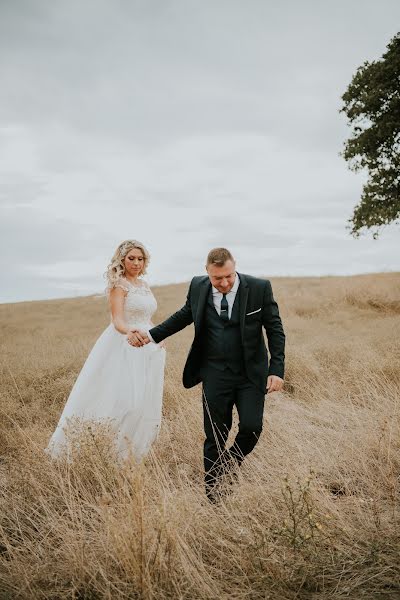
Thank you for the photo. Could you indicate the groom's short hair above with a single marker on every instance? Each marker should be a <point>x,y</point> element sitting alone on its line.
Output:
<point>219,256</point>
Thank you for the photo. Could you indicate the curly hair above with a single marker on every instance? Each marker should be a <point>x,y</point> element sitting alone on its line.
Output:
<point>116,268</point>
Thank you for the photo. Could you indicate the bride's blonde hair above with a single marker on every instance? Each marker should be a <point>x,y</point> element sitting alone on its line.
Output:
<point>116,268</point>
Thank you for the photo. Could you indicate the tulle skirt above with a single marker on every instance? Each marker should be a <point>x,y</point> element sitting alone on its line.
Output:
<point>121,385</point>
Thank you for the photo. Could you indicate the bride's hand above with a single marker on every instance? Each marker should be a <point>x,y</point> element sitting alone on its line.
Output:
<point>137,338</point>
<point>129,338</point>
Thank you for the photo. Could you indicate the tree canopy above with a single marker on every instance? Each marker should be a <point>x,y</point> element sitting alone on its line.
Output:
<point>372,106</point>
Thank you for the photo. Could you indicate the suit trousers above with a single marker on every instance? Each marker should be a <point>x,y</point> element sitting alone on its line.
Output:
<point>222,390</point>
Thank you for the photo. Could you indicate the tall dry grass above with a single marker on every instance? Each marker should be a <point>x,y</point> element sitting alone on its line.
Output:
<point>315,513</point>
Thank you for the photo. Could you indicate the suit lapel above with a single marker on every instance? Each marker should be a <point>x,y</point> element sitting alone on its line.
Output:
<point>203,293</point>
<point>243,292</point>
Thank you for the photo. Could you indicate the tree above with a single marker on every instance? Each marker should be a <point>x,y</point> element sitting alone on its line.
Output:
<point>372,106</point>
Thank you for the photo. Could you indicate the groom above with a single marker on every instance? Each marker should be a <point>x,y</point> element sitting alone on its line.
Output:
<point>228,356</point>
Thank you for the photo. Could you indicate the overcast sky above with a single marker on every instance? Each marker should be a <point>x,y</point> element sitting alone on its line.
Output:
<point>184,124</point>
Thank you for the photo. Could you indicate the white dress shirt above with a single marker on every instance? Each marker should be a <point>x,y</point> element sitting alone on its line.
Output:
<point>217,297</point>
<point>230,296</point>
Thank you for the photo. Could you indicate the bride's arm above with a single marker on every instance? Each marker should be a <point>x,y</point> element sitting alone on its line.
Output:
<point>117,301</point>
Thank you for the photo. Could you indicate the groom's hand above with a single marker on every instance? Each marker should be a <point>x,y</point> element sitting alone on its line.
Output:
<point>274,384</point>
<point>137,337</point>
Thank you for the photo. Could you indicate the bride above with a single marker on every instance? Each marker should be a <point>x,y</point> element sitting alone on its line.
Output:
<point>121,383</point>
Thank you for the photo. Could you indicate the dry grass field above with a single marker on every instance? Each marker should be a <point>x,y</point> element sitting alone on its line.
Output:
<point>315,513</point>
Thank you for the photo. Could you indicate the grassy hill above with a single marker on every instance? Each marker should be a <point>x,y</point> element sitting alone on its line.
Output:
<point>315,513</point>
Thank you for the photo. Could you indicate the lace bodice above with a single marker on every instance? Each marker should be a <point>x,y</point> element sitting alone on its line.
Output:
<point>140,304</point>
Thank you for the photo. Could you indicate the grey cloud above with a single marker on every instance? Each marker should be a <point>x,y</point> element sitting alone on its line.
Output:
<point>188,124</point>
<point>22,284</point>
<point>234,231</point>
<point>155,69</point>
<point>29,236</point>
<point>20,190</point>
<point>41,258</point>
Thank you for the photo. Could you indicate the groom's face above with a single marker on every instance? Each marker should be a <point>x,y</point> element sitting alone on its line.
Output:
<point>222,278</point>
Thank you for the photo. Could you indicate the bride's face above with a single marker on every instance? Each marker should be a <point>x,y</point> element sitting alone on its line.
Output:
<point>134,262</point>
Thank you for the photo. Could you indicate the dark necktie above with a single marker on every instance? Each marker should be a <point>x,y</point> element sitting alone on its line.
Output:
<point>224,308</point>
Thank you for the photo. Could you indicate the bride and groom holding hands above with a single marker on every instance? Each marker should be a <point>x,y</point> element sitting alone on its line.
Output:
<point>122,379</point>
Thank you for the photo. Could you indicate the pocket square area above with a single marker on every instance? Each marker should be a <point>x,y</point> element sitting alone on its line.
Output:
<point>253,312</point>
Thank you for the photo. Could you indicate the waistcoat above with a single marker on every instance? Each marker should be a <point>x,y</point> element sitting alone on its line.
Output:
<point>222,342</point>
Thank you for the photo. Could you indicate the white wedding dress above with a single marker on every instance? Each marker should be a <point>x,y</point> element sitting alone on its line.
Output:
<point>120,383</point>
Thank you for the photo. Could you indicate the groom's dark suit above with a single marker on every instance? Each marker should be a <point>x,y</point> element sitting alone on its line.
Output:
<point>231,359</point>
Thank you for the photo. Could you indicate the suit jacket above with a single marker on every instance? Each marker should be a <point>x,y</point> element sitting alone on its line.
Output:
<point>258,309</point>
